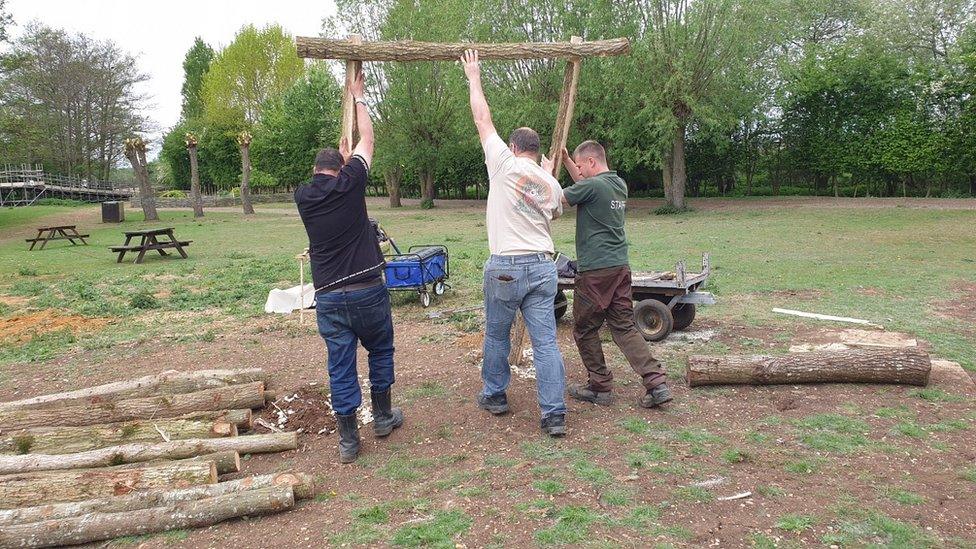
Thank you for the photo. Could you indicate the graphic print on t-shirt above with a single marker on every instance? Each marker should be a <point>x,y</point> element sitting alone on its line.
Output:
<point>532,196</point>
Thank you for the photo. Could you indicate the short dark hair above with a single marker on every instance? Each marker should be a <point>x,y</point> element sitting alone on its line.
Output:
<point>329,159</point>
<point>591,148</point>
<point>525,140</point>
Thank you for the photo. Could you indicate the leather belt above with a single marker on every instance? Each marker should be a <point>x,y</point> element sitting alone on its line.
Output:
<point>359,285</point>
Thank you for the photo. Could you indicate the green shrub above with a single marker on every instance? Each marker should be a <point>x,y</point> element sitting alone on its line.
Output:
<point>173,193</point>
<point>263,179</point>
<point>427,204</point>
<point>668,209</point>
<point>143,300</point>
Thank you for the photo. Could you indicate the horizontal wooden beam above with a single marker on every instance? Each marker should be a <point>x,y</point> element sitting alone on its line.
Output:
<point>409,50</point>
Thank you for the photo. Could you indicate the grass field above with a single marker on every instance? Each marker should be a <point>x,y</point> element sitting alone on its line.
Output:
<point>843,465</point>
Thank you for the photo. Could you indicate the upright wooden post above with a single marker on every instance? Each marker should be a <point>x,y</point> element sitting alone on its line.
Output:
<point>564,116</point>
<point>560,133</point>
<point>348,105</point>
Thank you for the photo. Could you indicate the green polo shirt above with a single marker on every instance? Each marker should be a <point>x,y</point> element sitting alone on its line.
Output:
<point>601,203</point>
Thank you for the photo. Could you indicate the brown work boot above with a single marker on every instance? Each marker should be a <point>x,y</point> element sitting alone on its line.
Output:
<point>655,397</point>
<point>584,393</point>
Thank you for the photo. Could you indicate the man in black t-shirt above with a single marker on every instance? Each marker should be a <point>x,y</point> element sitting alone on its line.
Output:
<point>351,301</point>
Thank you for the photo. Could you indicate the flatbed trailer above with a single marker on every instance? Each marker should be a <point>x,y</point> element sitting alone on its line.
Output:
<point>663,300</point>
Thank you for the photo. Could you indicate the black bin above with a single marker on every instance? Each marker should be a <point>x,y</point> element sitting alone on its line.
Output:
<point>113,212</point>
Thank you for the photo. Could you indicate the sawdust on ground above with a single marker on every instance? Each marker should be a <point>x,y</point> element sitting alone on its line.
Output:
<point>21,328</point>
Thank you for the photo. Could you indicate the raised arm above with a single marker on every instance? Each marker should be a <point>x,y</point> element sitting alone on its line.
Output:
<point>364,124</point>
<point>479,105</point>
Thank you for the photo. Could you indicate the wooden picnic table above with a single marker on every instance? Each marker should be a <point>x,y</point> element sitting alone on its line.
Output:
<point>61,232</point>
<point>149,241</point>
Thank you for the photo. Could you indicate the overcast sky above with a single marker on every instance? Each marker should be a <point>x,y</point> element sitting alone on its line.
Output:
<point>158,34</point>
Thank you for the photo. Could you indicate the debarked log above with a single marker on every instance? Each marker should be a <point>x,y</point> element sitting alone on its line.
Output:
<point>68,440</point>
<point>302,484</point>
<point>142,452</point>
<point>188,514</point>
<point>410,50</point>
<point>250,395</point>
<point>38,488</point>
<point>901,366</point>
<point>168,382</point>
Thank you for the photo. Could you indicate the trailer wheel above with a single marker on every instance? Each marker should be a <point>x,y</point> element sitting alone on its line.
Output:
<point>683,314</point>
<point>424,299</point>
<point>560,304</point>
<point>439,287</point>
<point>653,319</point>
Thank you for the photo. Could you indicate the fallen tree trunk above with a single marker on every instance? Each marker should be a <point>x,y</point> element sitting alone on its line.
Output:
<point>301,483</point>
<point>188,514</point>
<point>68,440</point>
<point>243,418</point>
<point>168,382</point>
<point>54,486</point>
<point>141,452</point>
<point>410,50</point>
<point>250,395</point>
<point>903,366</point>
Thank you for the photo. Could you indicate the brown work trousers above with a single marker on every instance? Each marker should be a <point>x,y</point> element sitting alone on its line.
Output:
<point>604,295</point>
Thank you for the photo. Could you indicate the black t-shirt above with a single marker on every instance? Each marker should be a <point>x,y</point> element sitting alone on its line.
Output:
<point>342,244</point>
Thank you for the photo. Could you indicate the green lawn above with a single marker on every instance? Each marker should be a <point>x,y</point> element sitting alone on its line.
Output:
<point>891,266</point>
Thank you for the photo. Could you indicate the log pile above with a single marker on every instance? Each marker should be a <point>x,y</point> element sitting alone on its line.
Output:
<point>137,457</point>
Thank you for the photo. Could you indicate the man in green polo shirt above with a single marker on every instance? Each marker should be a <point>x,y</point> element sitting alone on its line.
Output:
<point>602,291</point>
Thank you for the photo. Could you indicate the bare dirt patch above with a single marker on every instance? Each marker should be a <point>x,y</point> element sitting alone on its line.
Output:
<point>21,328</point>
<point>306,411</point>
<point>962,307</point>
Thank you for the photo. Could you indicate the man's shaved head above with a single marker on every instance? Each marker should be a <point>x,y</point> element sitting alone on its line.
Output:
<point>590,148</point>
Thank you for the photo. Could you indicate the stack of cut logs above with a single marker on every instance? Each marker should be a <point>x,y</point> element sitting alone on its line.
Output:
<point>136,457</point>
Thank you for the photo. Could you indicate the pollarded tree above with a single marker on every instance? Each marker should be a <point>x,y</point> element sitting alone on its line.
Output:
<point>135,151</point>
<point>195,199</point>
<point>244,142</point>
<point>256,67</point>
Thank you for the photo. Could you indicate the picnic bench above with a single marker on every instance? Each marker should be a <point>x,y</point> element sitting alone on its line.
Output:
<point>151,239</point>
<point>61,232</point>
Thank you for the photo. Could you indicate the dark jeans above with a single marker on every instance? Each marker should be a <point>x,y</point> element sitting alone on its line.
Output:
<point>603,295</point>
<point>346,319</point>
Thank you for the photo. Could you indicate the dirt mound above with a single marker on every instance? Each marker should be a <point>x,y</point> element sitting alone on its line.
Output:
<point>21,328</point>
<point>306,411</point>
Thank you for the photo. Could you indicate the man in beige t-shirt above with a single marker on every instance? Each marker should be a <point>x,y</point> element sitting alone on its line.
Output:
<point>523,199</point>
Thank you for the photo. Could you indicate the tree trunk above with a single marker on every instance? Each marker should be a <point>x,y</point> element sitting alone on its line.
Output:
<point>901,366</point>
<point>146,197</point>
<point>68,440</point>
<point>227,463</point>
<point>142,452</point>
<point>235,396</point>
<point>666,178</point>
<point>242,419</point>
<point>972,185</point>
<point>833,180</point>
<point>170,381</point>
<point>409,50</point>
<point>189,514</point>
<point>427,184</point>
<point>195,199</point>
<point>57,486</point>
<point>302,485</point>
<point>246,178</point>
<point>392,177</point>
<point>678,169</point>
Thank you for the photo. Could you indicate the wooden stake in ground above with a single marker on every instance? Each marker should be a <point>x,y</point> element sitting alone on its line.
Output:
<point>195,199</point>
<point>56,486</point>
<point>564,116</point>
<point>908,366</point>
<point>141,452</point>
<point>188,514</point>
<point>301,483</point>
<point>168,382</point>
<point>68,440</point>
<point>249,395</point>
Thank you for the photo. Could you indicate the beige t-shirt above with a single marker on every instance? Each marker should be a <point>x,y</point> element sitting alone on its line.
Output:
<point>523,199</point>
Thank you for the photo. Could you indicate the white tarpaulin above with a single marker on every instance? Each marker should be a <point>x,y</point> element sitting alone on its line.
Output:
<point>286,301</point>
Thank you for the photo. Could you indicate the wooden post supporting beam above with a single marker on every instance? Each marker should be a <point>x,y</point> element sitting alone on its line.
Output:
<point>409,50</point>
<point>564,116</point>
<point>348,104</point>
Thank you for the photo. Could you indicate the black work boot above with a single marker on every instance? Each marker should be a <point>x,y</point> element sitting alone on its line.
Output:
<point>348,438</point>
<point>584,393</point>
<point>656,397</point>
<point>385,417</point>
<point>554,425</point>
<point>496,404</point>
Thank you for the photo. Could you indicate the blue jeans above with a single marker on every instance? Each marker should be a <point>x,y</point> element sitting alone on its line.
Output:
<point>526,282</point>
<point>345,319</point>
